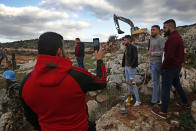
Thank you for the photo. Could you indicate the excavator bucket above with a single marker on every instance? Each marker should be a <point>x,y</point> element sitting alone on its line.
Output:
<point>120,31</point>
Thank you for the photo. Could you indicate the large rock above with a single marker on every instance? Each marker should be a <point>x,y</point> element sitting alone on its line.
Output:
<point>111,85</point>
<point>142,59</point>
<point>139,79</point>
<point>92,106</point>
<point>92,93</point>
<point>108,55</point>
<point>117,69</point>
<point>4,121</point>
<point>137,119</point>
<point>118,78</point>
<point>146,90</point>
<point>188,79</point>
<point>101,98</point>
<point>29,65</point>
<point>143,69</point>
<point>124,87</point>
<point>193,110</point>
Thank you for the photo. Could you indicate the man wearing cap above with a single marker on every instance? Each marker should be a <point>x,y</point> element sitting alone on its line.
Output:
<point>130,62</point>
<point>54,92</point>
<point>13,102</point>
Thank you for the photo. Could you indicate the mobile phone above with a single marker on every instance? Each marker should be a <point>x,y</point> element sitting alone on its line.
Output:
<point>96,44</point>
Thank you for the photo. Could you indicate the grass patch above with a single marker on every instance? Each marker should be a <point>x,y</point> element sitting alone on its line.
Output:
<point>142,52</point>
<point>89,62</point>
<point>20,76</point>
<point>186,121</point>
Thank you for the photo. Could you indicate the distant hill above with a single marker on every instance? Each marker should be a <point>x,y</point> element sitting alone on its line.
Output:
<point>186,28</point>
<point>32,44</point>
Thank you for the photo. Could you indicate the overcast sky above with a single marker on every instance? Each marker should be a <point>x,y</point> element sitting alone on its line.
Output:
<point>27,19</point>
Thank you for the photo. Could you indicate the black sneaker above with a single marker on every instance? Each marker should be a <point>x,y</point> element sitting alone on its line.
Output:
<point>157,112</point>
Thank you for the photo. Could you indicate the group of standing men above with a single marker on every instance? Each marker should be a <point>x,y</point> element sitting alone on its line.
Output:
<point>166,58</point>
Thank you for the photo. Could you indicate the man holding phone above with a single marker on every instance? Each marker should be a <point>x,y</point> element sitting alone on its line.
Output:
<point>79,52</point>
<point>53,94</point>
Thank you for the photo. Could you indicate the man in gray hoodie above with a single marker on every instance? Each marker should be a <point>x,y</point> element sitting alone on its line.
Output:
<point>155,51</point>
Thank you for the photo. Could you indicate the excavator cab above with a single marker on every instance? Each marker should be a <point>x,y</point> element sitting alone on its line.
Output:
<point>134,29</point>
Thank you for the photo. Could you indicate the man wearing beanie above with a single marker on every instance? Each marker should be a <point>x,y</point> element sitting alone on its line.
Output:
<point>54,92</point>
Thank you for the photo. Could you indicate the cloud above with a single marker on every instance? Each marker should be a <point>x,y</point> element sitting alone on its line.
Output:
<point>28,22</point>
<point>100,8</point>
<point>140,11</point>
<point>64,16</point>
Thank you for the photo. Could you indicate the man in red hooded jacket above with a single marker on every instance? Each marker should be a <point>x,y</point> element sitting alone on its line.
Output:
<point>53,93</point>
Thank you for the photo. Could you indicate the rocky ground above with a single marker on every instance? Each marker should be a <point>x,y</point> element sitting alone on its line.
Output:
<point>137,119</point>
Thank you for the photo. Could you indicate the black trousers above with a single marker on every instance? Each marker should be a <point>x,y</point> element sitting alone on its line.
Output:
<point>171,77</point>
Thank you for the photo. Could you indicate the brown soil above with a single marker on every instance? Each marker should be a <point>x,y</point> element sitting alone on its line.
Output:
<point>20,59</point>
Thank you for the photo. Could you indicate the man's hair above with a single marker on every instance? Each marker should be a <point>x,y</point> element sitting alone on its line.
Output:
<point>49,43</point>
<point>156,26</point>
<point>77,39</point>
<point>171,22</point>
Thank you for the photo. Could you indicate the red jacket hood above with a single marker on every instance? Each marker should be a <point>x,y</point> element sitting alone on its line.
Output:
<point>49,71</point>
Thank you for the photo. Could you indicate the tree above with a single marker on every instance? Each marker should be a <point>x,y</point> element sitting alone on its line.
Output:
<point>112,38</point>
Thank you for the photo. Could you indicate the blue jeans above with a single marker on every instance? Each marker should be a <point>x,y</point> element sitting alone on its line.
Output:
<point>80,61</point>
<point>171,77</point>
<point>155,69</point>
<point>130,73</point>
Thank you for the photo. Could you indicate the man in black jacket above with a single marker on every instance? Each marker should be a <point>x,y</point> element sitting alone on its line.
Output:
<point>79,52</point>
<point>130,62</point>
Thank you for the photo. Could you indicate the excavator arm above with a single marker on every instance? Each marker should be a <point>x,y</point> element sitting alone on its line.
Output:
<point>128,21</point>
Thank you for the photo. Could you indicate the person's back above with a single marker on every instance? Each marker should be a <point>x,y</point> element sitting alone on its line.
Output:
<point>55,92</point>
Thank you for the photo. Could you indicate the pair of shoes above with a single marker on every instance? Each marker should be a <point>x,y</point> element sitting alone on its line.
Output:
<point>137,103</point>
<point>157,112</point>
<point>180,104</point>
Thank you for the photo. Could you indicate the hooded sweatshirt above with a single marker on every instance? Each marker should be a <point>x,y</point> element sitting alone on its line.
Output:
<point>53,94</point>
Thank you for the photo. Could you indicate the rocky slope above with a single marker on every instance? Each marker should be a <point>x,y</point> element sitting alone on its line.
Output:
<point>137,119</point>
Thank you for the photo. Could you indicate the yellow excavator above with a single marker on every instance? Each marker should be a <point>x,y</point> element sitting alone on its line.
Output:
<point>134,29</point>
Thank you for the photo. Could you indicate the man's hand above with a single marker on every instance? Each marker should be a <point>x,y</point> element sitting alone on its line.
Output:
<point>149,53</point>
<point>99,54</point>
